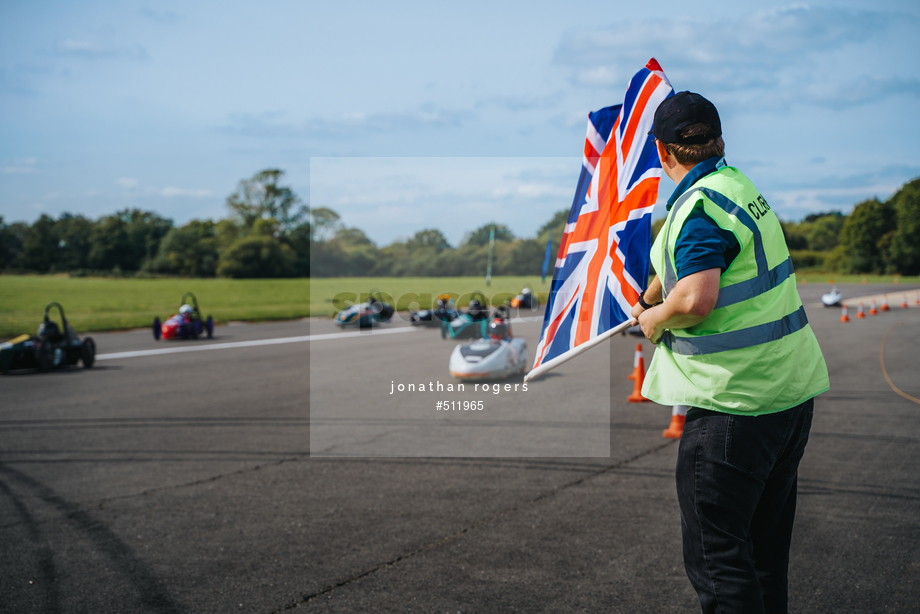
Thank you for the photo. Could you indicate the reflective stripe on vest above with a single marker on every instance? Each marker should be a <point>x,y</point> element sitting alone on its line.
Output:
<point>736,339</point>
<point>766,280</point>
<point>745,289</point>
<point>755,353</point>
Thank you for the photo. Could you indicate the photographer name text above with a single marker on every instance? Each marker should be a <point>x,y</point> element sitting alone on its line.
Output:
<point>451,387</point>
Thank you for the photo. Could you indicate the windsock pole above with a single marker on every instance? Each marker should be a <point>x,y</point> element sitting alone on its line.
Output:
<point>548,257</point>
<point>491,248</point>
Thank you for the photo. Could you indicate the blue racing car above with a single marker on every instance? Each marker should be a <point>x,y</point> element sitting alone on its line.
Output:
<point>470,324</point>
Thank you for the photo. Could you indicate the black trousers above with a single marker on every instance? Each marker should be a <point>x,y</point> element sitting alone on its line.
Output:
<point>736,485</point>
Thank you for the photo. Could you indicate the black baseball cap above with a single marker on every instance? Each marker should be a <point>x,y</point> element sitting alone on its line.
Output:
<point>679,111</point>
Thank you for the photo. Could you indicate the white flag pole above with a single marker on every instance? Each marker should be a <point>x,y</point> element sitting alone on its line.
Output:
<point>584,347</point>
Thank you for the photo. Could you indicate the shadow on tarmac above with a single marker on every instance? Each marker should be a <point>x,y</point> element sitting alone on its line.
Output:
<point>151,592</point>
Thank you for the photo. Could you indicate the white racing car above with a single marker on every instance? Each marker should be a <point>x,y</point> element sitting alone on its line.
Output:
<point>832,298</point>
<point>498,356</point>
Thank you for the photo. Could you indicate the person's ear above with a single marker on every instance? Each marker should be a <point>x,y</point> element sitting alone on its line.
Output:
<point>662,152</point>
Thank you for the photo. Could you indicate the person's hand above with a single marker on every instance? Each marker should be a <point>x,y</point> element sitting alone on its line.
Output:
<point>649,326</point>
<point>637,311</point>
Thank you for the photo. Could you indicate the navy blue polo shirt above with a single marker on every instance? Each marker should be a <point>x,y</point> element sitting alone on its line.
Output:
<point>702,244</point>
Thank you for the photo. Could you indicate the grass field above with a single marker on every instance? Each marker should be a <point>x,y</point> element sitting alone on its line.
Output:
<point>818,277</point>
<point>93,303</point>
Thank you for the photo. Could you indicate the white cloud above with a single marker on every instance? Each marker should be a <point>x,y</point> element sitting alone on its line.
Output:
<point>392,197</point>
<point>273,124</point>
<point>163,17</point>
<point>92,50</point>
<point>862,90</point>
<point>532,190</point>
<point>170,192</point>
<point>787,54</point>
<point>24,165</point>
<point>133,185</point>
<point>804,201</point>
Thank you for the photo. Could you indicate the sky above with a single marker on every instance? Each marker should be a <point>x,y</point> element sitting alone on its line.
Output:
<point>409,115</point>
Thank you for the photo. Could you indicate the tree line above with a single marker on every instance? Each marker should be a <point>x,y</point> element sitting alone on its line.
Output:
<point>876,237</point>
<point>266,235</point>
<point>270,232</point>
<point>339,251</point>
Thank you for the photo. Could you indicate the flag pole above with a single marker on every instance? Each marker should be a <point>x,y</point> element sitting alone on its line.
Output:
<point>491,248</point>
<point>584,347</point>
<point>549,254</point>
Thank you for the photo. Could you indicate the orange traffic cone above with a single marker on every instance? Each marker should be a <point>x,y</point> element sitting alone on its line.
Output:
<point>904,302</point>
<point>860,313</point>
<point>873,310</point>
<point>917,300</point>
<point>885,302</point>
<point>676,428</point>
<point>638,377</point>
<point>637,357</point>
<point>844,317</point>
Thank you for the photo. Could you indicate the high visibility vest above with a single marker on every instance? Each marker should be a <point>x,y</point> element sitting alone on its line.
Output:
<point>755,353</point>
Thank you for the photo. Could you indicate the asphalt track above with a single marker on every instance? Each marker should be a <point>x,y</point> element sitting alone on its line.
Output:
<point>182,482</point>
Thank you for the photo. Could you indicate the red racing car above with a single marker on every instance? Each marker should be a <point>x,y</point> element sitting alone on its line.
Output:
<point>187,324</point>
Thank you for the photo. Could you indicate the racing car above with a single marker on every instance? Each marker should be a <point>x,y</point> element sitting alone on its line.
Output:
<point>471,324</point>
<point>497,356</point>
<point>187,324</point>
<point>832,298</point>
<point>445,311</point>
<point>365,315</point>
<point>53,346</point>
<point>526,300</point>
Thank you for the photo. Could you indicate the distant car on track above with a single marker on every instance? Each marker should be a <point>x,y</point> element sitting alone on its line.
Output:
<point>470,324</point>
<point>54,346</point>
<point>187,324</point>
<point>444,311</point>
<point>832,298</point>
<point>498,355</point>
<point>365,315</point>
<point>526,300</point>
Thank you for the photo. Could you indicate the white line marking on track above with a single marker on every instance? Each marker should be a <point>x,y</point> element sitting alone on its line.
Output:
<point>246,344</point>
<point>527,319</point>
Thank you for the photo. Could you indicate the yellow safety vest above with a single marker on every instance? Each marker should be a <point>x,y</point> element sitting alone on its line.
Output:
<point>755,353</point>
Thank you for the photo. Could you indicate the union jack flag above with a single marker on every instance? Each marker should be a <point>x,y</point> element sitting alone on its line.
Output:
<point>603,261</point>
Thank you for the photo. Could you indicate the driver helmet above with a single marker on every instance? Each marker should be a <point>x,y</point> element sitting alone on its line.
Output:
<point>525,291</point>
<point>48,329</point>
<point>498,329</point>
<point>186,310</point>
<point>474,307</point>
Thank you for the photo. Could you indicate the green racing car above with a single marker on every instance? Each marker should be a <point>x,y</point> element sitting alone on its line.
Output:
<point>53,346</point>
